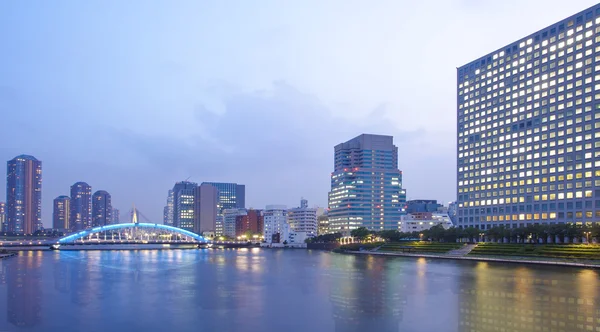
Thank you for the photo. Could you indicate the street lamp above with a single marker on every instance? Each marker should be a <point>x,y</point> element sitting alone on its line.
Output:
<point>587,237</point>
<point>481,235</point>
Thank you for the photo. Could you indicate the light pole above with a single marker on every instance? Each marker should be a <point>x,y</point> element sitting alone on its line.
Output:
<point>481,235</point>
<point>587,237</point>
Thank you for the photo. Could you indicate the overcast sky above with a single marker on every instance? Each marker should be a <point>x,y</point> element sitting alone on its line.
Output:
<point>132,96</point>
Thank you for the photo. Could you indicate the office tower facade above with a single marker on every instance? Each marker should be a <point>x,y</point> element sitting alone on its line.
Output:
<point>116,216</point>
<point>24,195</point>
<point>168,211</point>
<point>252,222</point>
<point>323,224</point>
<point>229,221</point>
<point>183,205</point>
<point>366,185</point>
<point>61,213</point>
<point>528,119</point>
<point>2,216</point>
<point>276,229</point>
<point>81,206</point>
<point>303,219</point>
<point>206,201</point>
<point>101,208</point>
<point>231,196</point>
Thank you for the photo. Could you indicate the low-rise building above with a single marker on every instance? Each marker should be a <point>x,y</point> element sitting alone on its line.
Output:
<point>303,219</point>
<point>420,221</point>
<point>276,228</point>
<point>229,218</point>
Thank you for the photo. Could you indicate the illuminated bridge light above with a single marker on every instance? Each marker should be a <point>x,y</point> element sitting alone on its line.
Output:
<point>130,226</point>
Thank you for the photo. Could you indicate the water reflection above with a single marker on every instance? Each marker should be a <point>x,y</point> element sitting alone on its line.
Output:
<point>507,298</point>
<point>365,296</point>
<point>255,290</point>
<point>24,293</point>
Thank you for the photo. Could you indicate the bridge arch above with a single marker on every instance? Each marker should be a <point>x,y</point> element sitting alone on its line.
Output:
<point>141,228</point>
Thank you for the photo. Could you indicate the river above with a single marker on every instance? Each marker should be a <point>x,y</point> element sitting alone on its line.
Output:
<point>288,290</point>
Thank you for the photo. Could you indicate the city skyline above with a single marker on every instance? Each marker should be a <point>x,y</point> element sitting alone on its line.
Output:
<point>157,135</point>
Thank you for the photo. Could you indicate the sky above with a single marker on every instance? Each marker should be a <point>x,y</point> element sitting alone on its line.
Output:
<point>132,96</point>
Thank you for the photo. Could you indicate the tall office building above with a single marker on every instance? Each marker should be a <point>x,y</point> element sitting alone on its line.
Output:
<point>61,213</point>
<point>528,118</point>
<point>116,216</point>
<point>2,216</point>
<point>231,196</point>
<point>168,210</point>
<point>24,194</point>
<point>366,185</point>
<point>206,201</point>
<point>101,208</point>
<point>183,205</point>
<point>303,219</point>
<point>81,206</point>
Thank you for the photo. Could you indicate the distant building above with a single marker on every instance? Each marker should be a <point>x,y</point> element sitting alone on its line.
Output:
<point>251,222</point>
<point>2,216</point>
<point>206,201</point>
<point>101,208</point>
<point>452,211</point>
<point>24,194</point>
<point>420,221</point>
<point>422,205</point>
<point>276,228</point>
<point>303,219</point>
<point>116,216</point>
<point>61,213</point>
<point>183,205</point>
<point>168,211</point>
<point>323,224</point>
<point>229,220</point>
<point>366,185</point>
<point>231,196</point>
<point>81,206</point>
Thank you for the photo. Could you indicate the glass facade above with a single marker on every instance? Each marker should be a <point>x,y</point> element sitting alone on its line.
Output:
<point>101,208</point>
<point>231,196</point>
<point>60,215</point>
<point>528,140</point>
<point>24,195</point>
<point>183,205</point>
<point>81,206</point>
<point>366,185</point>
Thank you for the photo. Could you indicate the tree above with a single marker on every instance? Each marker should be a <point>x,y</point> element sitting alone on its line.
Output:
<point>360,233</point>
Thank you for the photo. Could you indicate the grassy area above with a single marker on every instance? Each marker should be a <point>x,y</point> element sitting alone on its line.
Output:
<point>578,251</point>
<point>421,247</point>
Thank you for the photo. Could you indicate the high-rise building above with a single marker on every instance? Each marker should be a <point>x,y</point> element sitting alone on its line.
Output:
<point>251,222</point>
<point>168,212</point>
<point>229,221</point>
<point>61,213</point>
<point>183,205</point>
<point>116,216</point>
<point>303,219</point>
<point>366,185</point>
<point>206,201</point>
<point>2,216</point>
<point>24,194</point>
<point>81,206</point>
<point>101,208</point>
<point>528,129</point>
<point>231,196</point>
<point>276,226</point>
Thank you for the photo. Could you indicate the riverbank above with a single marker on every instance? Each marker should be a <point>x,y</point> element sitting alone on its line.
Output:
<point>7,255</point>
<point>514,260</point>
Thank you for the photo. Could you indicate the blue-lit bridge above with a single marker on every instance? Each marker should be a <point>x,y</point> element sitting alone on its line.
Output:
<point>135,233</point>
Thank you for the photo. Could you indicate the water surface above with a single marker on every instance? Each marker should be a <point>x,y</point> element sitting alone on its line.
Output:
<point>287,290</point>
